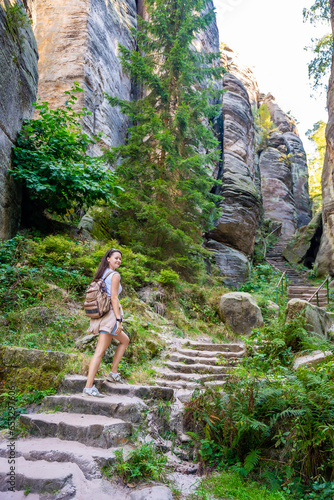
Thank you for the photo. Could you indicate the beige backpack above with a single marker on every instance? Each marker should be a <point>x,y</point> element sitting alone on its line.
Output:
<point>97,301</point>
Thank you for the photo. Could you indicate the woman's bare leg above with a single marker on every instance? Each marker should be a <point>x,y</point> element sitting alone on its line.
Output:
<point>102,345</point>
<point>123,344</point>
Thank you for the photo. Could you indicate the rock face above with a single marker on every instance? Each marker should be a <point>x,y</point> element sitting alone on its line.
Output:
<point>325,256</point>
<point>317,320</point>
<point>18,87</point>
<point>235,229</point>
<point>240,311</point>
<point>78,41</point>
<point>284,176</point>
<point>305,244</point>
<point>270,182</point>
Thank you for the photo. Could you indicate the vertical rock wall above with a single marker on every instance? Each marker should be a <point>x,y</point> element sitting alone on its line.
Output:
<point>284,172</point>
<point>78,41</point>
<point>233,237</point>
<point>18,87</point>
<point>325,257</point>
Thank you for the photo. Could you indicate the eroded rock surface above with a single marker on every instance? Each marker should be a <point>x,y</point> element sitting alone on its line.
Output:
<point>240,311</point>
<point>18,87</point>
<point>235,229</point>
<point>317,320</point>
<point>284,172</point>
<point>325,256</point>
<point>78,41</point>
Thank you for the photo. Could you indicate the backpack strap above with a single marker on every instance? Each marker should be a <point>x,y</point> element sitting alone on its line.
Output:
<point>108,274</point>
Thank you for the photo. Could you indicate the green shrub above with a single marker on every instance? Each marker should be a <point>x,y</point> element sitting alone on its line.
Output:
<point>52,162</point>
<point>143,464</point>
<point>168,277</point>
<point>284,421</point>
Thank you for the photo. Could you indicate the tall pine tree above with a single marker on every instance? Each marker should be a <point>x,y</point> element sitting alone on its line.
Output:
<point>164,166</point>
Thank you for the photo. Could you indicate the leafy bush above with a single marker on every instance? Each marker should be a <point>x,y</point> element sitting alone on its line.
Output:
<point>168,277</point>
<point>285,421</point>
<point>263,280</point>
<point>51,160</point>
<point>144,463</point>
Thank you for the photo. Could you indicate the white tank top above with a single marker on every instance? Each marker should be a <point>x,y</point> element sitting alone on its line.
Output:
<point>108,281</point>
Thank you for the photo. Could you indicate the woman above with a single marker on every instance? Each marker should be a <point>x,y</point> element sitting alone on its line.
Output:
<point>110,325</point>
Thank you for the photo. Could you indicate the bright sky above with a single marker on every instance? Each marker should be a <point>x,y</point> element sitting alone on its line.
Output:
<point>269,37</point>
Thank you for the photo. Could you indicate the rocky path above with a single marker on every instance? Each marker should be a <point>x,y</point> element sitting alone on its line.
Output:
<point>72,436</point>
<point>298,285</point>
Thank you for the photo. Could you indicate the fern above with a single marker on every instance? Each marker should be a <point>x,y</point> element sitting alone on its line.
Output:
<point>251,460</point>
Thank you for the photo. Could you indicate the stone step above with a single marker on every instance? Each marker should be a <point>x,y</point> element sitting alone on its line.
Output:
<point>308,288</point>
<point>47,477</point>
<point>89,459</point>
<point>117,406</point>
<point>183,384</point>
<point>91,430</point>
<point>212,354</point>
<point>213,347</point>
<point>212,361</point>
<point>195,368</point>
<point>76,383</point>
<point>54,480</point>
<point>167,374</point>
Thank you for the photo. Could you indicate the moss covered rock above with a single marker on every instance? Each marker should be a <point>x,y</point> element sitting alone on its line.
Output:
<point>25,368</point>
<point>298,248</point>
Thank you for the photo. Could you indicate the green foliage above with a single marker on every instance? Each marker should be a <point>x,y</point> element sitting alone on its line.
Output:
<point>51,160</point>
<point>16,19</point>
<point>263,280</point>
<point>315,164</point>
<point>142,464</point>
<point>164,168</point>
<point>291,414</point>
<point>264,125</point>
<point>22,401</point>
<point>319,67</point>
<point>230,485</point>
<point>168,277</point>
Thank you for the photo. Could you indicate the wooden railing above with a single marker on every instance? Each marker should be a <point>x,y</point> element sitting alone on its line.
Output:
<point>318,289</point>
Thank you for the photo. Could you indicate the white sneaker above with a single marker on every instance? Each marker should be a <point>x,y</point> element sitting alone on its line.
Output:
<point>116,379</point>
<point>92,391</point>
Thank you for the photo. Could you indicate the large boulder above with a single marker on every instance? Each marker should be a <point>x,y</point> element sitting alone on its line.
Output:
<point>24,368</point>
<point>317,320</point>
<point>240,312</point>
<point>305,244</point>
<point>18,87</point>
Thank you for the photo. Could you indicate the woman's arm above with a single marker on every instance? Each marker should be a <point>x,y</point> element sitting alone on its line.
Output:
<point>115,280</point>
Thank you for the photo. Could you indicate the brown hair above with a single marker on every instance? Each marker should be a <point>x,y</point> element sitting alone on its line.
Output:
<point>104,264</point>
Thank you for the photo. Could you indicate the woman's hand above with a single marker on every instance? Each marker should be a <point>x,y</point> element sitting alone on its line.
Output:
<point>119,327</point>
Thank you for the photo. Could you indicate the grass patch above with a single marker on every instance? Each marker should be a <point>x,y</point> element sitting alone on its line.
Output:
<point>229,485</point>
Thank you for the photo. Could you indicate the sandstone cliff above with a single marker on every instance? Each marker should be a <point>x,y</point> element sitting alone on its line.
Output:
<point>271,180</point>
<point>233,237</point>
<point>284,172</point>
<point>18,87</point>
<point>78,41</point>
<point>325,257</point>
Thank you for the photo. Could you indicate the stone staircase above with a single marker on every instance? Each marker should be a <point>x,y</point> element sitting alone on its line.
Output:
<point>298,285</point>
<point>72,436</point>
<point>192,364</point>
